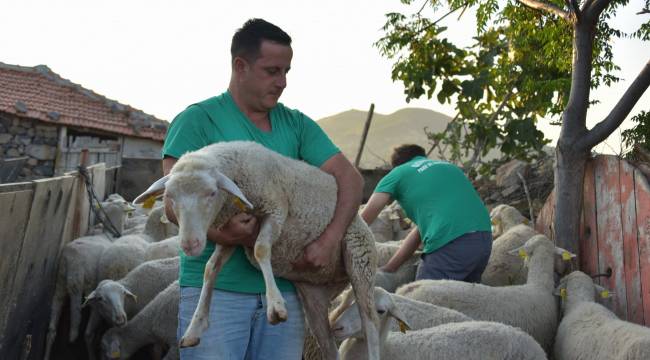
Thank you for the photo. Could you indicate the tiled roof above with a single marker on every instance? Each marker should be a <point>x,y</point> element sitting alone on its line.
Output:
<point>39,93</point>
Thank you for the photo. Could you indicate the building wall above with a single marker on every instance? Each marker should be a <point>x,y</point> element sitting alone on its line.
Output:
<point>137,148</point>
<point>20,137</point>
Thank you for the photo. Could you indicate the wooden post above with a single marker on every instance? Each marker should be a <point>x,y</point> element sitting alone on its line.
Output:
<point>78,228</point>
<point>364,135</point>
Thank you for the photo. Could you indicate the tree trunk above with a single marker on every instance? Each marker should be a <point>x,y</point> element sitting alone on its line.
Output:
<point>569,177</point>
<point>570,159</point>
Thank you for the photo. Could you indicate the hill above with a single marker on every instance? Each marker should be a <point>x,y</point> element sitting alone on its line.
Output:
<point>386,131</point>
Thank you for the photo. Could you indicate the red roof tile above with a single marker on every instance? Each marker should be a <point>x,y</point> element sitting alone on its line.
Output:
<point>39,93</point>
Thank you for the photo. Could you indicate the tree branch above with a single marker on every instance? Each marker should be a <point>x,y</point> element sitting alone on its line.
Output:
<point>644,11</point>
<point>604,128</point>
<point>550,8</point>
<point>595,8</point>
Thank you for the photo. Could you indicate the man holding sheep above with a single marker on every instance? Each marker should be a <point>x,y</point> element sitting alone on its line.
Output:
<point>452,222</point>
<point>249,110</point>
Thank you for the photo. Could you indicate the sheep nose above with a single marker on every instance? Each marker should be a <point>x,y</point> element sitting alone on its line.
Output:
<point>120,321</point>
<point>191,246</point>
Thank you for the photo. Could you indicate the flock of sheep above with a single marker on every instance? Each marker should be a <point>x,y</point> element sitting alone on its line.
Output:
<point>518,312</point>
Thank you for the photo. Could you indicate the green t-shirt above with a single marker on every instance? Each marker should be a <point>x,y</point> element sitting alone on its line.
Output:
<point>438,197</point>
<point>217,119</point>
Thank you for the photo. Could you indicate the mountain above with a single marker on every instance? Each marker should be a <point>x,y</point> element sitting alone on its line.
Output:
<point>385,132</point>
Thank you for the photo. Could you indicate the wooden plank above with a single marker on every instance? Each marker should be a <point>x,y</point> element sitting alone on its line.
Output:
<point>610,232</point>
<point>36,268</point>
<point>588,242</point>
<point>5,188</point>
<point>70,232</point>
<point>642,194</point>
<point>630,244</point>
<point>13,222</point>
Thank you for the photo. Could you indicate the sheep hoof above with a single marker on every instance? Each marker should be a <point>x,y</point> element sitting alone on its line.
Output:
<point>189,342</point>
<point>277,315</point>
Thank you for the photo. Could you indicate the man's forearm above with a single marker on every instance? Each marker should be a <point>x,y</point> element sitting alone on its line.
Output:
<point>410,244</point>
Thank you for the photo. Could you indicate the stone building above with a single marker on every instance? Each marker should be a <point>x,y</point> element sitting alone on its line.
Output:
<point>47,121</point>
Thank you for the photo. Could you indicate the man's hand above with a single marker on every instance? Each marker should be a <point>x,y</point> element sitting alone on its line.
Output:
<point>318,254</point>
<point>241,229</point>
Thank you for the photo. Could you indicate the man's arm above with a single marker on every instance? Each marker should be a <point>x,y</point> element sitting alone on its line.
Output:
<point>374,206</point>
<point>241,229</point>
<point>350,191</point>
<point>410,244</point>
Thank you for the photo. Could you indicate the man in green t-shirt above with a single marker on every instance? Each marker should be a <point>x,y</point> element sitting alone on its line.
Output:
<point>249,110</point>
<point>452,223</point>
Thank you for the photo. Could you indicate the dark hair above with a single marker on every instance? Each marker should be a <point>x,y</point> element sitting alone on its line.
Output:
<point>247,40</point>
<point>404,153</point>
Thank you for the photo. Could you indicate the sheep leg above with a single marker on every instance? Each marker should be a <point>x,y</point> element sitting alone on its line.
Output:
<point>269,231</point>
<point>199,322</point>
<point>75,316</point>
<point>57,304</point>
<point>89,335</point>
<point>361,270</point>
<point>315,301</point>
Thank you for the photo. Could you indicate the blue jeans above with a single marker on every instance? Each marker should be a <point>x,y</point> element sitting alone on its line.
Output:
<point>462,259</point>
<point>239,329</point>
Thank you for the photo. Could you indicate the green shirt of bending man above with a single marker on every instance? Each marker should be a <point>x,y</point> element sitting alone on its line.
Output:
<point>219,119</point>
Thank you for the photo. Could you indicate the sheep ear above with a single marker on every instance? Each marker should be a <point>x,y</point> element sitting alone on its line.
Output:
<point>401,319</point>
<point>228,185</point>
<point>127,292</point>
<point>156,189</point>
<point>565,254</point>
<point>560,291</point>
<point>89,299</point>
<point>347,297</point>
<point>520,251</point>
<point>603,292</point>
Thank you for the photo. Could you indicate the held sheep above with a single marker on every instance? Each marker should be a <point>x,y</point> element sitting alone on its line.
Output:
<point>531,307</point>
<point>295,202</point>
<point>442,334</point>
<point>588,330</point>
<point>156,324</point>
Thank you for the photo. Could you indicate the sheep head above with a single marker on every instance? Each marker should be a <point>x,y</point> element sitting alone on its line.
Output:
<point>197,196</point>
<point>348,324</point>
<point>108,299</point>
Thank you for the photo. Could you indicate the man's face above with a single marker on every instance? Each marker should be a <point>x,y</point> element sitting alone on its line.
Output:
<point>265,78</point>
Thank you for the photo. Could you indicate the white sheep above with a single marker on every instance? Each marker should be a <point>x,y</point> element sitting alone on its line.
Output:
<point>442,334</point>
<point>156,323</point>
<point>391,223</point>
<point>153,226</point>
<point>404,275</point>
<point>504,217</point>
<point>129,251</point>
<point>76,277</point>
<point>588,330</point>
<point>502,268</point>
<point>295,202</point>
<point>531,307</point>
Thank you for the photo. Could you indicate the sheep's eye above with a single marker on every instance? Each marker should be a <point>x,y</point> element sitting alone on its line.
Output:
<point>213,194</point>
<point>381,312</point>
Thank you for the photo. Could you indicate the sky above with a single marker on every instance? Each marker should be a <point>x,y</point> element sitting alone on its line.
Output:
<point>161,55</point>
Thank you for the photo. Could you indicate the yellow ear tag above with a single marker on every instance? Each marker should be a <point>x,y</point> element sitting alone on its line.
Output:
<point>526,222</point>
<point>116,355</point>
<point>604,294</point>
<point>566,256</point>
<point>563,293</point>
<point>240,205</point>
<point>148,204</point>
<point>523,254</point>
<point>402,326</point>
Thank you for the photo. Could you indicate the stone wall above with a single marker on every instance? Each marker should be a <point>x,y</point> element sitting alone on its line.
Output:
<point>31,138</point>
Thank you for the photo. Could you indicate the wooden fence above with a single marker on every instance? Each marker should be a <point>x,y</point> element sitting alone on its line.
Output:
<point>614,233</point>
<point>36,220</point>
